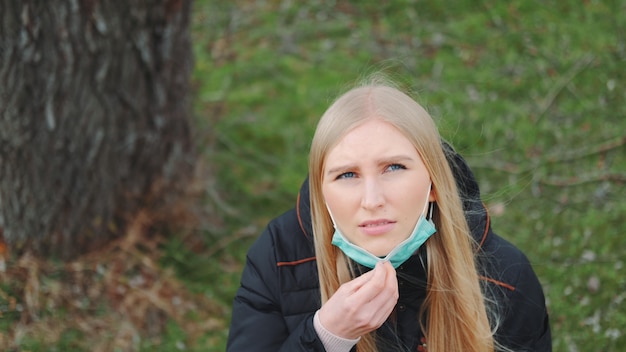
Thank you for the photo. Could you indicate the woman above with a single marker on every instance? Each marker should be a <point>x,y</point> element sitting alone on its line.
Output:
<point>401,258</point>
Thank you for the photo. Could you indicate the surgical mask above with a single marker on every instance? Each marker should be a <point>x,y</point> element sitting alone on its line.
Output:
<point>399,254</point>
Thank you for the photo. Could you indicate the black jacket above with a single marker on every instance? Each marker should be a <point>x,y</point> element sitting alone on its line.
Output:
<point>279,294</point>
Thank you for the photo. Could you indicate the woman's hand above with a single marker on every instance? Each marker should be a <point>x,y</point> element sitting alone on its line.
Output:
<point>361,305</point>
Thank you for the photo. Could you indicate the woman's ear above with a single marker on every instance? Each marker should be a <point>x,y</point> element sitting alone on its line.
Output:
<point>432,197</point>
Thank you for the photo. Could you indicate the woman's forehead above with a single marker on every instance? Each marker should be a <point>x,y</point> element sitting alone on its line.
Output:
<point>374,139</point>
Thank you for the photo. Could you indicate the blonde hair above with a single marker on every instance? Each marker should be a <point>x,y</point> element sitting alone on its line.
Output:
<point>457,318</point>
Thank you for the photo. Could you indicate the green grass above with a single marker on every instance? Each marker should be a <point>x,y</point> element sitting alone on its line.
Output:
<point>531,93</point>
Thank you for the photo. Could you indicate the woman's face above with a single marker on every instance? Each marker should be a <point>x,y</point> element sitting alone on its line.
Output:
<point>375,184</point>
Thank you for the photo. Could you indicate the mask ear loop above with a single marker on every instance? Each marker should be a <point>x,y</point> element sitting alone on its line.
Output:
<point>430,204</point>
<point>430,210</point>
<point>331,216</point>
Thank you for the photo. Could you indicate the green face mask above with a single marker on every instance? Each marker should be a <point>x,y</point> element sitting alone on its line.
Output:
<point>399,254</point>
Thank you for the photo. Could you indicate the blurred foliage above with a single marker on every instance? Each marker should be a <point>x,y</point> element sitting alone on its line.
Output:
<point>116,299</point>
<point>532,93</point>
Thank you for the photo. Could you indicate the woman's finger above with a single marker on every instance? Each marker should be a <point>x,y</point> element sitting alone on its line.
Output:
<point>371,288</point>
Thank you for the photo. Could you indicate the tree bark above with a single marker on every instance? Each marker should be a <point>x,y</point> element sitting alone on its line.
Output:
<point>93,118</point>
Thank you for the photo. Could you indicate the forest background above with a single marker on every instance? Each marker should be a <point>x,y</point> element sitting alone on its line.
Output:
<point>531,93</point>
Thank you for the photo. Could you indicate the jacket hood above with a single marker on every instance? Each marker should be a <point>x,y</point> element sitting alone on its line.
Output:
<point>475,212</point>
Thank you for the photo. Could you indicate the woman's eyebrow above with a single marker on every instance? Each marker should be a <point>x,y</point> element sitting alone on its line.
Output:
<point>394,159</point>
<point>341,169</point>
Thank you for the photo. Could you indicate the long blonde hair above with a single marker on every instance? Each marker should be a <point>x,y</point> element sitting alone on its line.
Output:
<point>457,318</point>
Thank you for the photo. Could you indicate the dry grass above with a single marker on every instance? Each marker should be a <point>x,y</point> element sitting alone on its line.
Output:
<point>112,298</point>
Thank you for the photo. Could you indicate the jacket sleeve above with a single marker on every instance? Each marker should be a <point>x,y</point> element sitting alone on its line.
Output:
<point>525,324</point>
<point>257,321</point>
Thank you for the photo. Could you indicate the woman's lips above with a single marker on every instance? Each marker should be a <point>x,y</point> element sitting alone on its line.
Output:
<point>376,227</point>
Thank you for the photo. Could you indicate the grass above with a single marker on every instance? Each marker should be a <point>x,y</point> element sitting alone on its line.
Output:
<point>531,93</point>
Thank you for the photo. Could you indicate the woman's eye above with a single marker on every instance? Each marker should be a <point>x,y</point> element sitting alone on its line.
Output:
<point>394,167</point>
<point>346,175</point>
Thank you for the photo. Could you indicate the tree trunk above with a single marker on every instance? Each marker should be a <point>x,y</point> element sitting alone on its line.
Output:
<point>93,118</point>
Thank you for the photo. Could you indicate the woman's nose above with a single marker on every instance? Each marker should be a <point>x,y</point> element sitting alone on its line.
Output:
<point>373,195</point>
